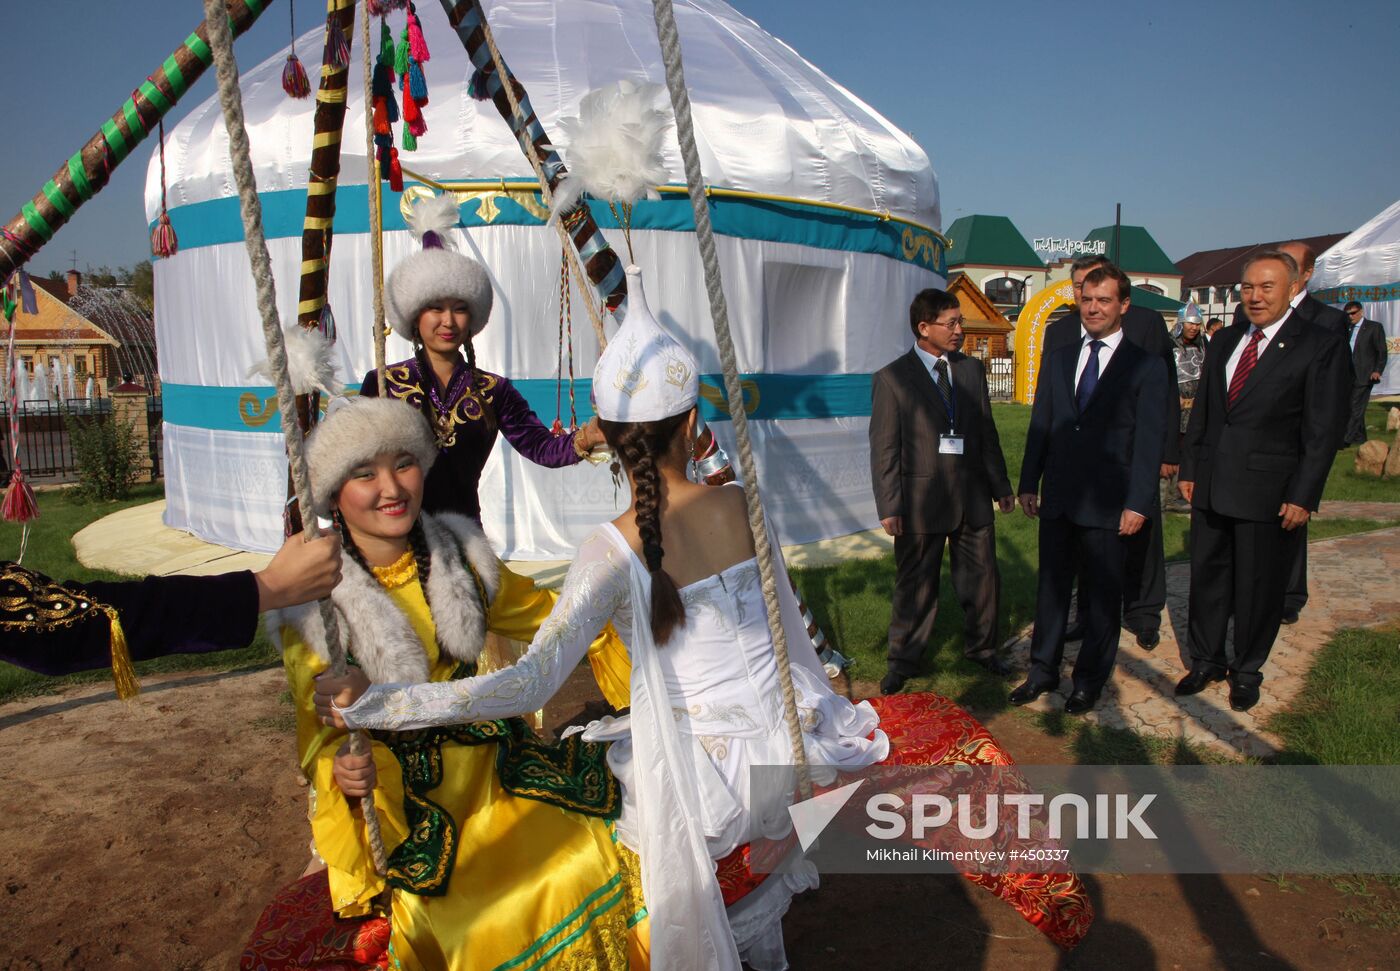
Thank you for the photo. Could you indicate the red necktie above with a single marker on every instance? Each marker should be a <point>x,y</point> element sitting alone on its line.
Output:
<point>1248,359</point>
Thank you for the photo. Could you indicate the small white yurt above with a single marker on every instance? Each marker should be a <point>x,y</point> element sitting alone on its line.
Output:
<point>1365,266</point>
<point>828,235</point>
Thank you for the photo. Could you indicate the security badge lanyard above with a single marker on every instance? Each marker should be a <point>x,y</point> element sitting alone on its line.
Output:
<point>952,443</point>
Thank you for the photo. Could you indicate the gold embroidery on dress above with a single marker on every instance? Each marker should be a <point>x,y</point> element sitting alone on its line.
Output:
<point>29,603</point>
<point>470,406</point>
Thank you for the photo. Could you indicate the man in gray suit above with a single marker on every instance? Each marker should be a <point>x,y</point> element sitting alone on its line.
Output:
<point>937,468</point>
<point>1368,356</point>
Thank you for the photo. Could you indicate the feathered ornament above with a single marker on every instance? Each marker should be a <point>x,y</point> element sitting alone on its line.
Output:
<point>378,8</point>
<point>614,150</point>
<point>294,80</point>
<point>309,362</point>
<point>431,220</point>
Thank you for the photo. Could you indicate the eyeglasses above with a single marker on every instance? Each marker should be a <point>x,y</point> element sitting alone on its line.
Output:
<point>950,324</point>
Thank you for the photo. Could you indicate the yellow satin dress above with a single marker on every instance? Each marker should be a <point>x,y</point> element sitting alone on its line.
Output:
<point>533,887</point>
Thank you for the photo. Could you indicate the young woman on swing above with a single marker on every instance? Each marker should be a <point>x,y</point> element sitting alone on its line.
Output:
<point>439,300</point>
<point>499,847</point>
<point>704,686</point>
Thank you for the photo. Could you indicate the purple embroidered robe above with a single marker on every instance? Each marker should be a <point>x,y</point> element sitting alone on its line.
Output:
<point>473,418</point>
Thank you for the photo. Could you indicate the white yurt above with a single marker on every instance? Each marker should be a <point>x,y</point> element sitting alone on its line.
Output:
<point>828,233</point>
<point>1365,266</point>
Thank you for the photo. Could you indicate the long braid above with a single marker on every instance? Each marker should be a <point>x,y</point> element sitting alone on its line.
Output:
<point>488,414</point>
<point>418,542</point>
<point>637,445</point>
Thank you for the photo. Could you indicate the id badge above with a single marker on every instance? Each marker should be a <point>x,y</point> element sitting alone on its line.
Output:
<point>950,444</point>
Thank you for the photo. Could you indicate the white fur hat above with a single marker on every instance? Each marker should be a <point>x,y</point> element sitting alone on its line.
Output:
<point>645,374</point>
<point>359,430</point>
<point>436,272</point>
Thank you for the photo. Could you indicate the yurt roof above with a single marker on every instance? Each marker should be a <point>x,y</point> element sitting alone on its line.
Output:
<point>1368,257</point>
<point>767,120</point>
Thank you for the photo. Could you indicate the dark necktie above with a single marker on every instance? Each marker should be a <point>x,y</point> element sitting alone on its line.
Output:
<point>1089,380</point>
<point>1248,359</point>
<point>945,387</point>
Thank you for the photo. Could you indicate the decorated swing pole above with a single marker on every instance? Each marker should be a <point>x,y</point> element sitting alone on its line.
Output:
<point>87,172</point>
<point>250,206</point>
<point>322,179</point>
<point>490,80</point>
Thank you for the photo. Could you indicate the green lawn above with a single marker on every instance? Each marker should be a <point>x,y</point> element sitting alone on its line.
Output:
<point>1344,483</point>
<point>50,551</point>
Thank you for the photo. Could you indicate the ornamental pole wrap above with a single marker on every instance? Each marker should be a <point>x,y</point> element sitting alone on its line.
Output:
<point>325,168</point>
<point>600,262</point>
<point>84,175</point>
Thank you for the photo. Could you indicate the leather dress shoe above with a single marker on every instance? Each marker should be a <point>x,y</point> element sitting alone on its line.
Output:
<point>1196,681</point>
<point>1244,696</point>
<point>1148,639</point>
<point>1028,691</point>
<point>1290,616</point>
<point>892,683</point>
<point>1080,701</point>
<point>1074,632</point>
<point>992,665</point>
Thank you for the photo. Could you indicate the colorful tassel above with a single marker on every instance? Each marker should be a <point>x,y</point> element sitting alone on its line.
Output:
<point>123,672</point>
<point>410,140</point>
<point>26,293</point>
<point>417,83</point>
<point>417,46</point>
<point>326,323</point>
<point>476,87</point>
<point>19,504</point>
<point>381,117</point>
<point>386,44</point>
<point>401,58</point>
<point>164,243</point>
<point>337,46</point>
<point>294,80</point>
<point>395,172</point>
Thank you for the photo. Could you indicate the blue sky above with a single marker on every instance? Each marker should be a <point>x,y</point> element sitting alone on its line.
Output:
<point>1213,123</point>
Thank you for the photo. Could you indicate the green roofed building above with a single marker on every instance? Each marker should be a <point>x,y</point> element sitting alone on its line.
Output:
<point>991,252</point>
<point>1141,258</point>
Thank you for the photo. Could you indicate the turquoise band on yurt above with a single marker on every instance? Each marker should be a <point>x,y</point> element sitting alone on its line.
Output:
<point>767,397</point>
<point>217,221</point>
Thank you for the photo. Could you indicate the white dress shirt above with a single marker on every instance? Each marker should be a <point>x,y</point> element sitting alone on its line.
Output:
<point>1110,342</point>
<point>1268,338</point>
<point>930,361</point>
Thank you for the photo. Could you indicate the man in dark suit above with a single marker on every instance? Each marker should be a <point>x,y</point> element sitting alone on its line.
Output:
<point>937,467</point>
<point>1258,448</point>
<point>1093,459</point>
<point>1145,579</point>
<point>1368,355</point>
<point>1330,319</point>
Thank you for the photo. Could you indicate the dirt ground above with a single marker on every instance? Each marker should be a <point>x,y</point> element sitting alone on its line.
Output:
<point>151,835</point>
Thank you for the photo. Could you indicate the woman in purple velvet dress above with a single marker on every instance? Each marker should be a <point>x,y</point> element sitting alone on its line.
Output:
<point>439,300</point>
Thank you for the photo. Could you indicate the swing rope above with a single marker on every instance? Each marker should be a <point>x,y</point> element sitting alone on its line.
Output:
<point>231,100</point>
<point>376,212</point>
<point>719,312</point>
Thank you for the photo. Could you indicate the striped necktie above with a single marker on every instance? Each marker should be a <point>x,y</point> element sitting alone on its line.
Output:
<point>1248,359</point>
<point>945,387</point>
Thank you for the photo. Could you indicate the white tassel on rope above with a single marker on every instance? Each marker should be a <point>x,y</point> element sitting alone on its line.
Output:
<point>614,146</point>
<point>310,363</point>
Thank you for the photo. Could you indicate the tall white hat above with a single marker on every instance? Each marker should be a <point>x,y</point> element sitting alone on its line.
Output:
<point>645,374</point>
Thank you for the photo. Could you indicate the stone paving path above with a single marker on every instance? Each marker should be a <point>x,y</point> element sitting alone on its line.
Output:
<point>1353,581</point>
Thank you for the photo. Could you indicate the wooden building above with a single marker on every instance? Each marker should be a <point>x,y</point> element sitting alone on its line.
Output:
<point>987,332</point>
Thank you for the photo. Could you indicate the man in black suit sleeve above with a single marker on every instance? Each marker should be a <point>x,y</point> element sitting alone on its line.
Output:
<point>1332,320</point>
<point>937,467</point>
<point>1368,356</point>
<point>1145,572</point>
<point>1092,464</point>
<point>1260,442</point>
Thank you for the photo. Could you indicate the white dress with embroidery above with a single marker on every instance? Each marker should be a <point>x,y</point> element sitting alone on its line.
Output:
<point>721,682</point>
